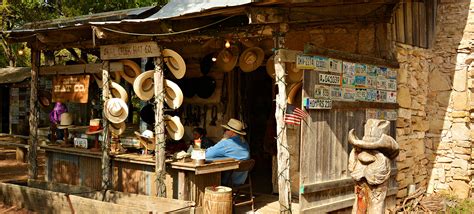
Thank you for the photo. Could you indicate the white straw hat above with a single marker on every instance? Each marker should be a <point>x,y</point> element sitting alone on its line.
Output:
<point>66,121</point>
<point>251,59</point>
<point>115,110</point>
<point>117,128</point>
<point>143,85</point>
<point>173,94</point>
<point>118,92</point>
<point>174,62</point>
<point>130,73</point>
<point>235,126</point>
<point>174,127</point>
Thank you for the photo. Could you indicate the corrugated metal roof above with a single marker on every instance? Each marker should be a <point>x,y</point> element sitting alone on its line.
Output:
<point>14,74</point>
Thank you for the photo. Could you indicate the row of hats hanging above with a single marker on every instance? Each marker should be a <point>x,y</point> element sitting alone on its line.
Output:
<point>116,109</point>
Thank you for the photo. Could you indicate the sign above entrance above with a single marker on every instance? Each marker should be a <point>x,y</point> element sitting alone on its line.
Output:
<point>73,88</point>
<point>129,50</point>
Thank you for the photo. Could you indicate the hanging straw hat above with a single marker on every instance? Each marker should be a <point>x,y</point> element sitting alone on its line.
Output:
<point>116,110</point>
<point>117,128</point>
<point>94,127</point>
<point>147,135</point>
<point>251,59</point>
<point>130,70</point>
<point>235,126</point>
<point>227,59</point>
<point>267,45</point>
<point>174,127</point>
<point>174,62</point>
<point>118,92</point>
<point>270,67</point>
<point>114,76</point>
<point>294,74</point>
<point>66,121</point>
<point>246,42</point>
<point>143,85</point>
<point>293,92</point>
<point>44,99</point>
<point>173,94</point>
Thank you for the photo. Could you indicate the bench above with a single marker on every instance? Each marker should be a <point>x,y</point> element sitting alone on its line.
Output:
<point>21,148</point>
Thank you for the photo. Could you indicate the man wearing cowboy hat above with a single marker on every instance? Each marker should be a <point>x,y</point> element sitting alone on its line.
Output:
<point>232,146</point>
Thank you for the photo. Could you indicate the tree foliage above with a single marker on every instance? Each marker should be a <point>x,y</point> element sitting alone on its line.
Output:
<point>16,13</point>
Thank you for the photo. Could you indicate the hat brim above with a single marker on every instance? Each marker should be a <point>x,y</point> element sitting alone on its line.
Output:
<point>65,126</point>
<point>112,118</point>
<point>44,99</point>
<point>142,137</point>
<point>258,62</point>
<point>147,114</point>
<point>135,68</point>
<point>293,76</point>
<point>174,134</point>
<point>117,131</point>
<point>138,86</point>
<point>99,81</point>
<point>94,132</point>
<point>227,66</point>
<point>174,95</point>
<point>179,71</point>
<point>120,93</point>
<point>270,67</point>
<point>234,130</point>
<point>294,89</point>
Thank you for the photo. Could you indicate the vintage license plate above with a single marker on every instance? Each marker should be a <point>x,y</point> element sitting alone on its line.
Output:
<point>330,79</point>
<point>321,63</point>
<point>335,65</point>
<point>381,83</point>
<point>336,93</point>
<point>391,84</point>
<point>304,62</point>
<point>361,94</point>
<point>80,143</point>
<point>391,97</point>
<point>360,81</point>
<point>348,68</point>
<point>360,69</point>
<point>371,82</point>
<point>371,95</point>
<point>349,94</point>
<point>318,103</point>
<point>381,96</point>
<point>321,91</point>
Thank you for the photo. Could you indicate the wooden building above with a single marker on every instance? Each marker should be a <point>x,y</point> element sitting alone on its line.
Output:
<point>327,57</point>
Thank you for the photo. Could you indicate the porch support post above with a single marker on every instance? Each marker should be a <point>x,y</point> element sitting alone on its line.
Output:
<point>33,118</point>
<point>106,175</point>
<point>159,127</point>
<point>283,155</point>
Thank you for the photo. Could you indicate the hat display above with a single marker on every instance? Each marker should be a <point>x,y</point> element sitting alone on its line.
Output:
<point>66,121</point>
<point>174,62</point>
<point>251,59</point>
<point>206,63</point>
<point>227,59</point>
<point>173,94</point>
<point>118,92</point>
<point>206,86</point>
<point>294,74</point>
<point>115,110</point>
<point>44,99</point>
<point>114,76</point>
<point>147,113</point>
<point>130,70</point>
<point>235,126</point>
<point>293,92</point>
<point>117,128</point>
<point>143,85</point>
<point>174,127</point>
<point>94,127</point>
<point>270,67</point>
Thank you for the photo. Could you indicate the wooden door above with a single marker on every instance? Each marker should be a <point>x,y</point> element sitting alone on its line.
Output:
<point>325,182</point>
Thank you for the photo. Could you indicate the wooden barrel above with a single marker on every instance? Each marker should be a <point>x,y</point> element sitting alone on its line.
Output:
<point>217,200</point>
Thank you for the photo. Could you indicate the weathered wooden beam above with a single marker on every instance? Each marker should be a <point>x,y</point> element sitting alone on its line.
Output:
<point>106,174</point>
<point>313,50</point>
<point>34,113</point>
<point>160,169</point>
<point>95,68</point>
<point>326,185</point>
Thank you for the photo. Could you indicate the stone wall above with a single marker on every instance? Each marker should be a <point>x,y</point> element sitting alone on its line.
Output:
<point>434,93</point>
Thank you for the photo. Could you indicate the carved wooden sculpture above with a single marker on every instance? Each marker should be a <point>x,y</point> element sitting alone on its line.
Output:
<point>369,165</point>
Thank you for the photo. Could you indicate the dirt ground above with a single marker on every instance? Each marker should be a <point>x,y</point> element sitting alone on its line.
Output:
<point>13,171</point>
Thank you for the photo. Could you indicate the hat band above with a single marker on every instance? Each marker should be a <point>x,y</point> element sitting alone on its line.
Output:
<point>94,128</point>
<point>233,129</point>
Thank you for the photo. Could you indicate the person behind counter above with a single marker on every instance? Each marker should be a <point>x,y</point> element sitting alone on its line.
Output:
<point>199,137</point>
<point>55,119</point>
<point>231,146</point>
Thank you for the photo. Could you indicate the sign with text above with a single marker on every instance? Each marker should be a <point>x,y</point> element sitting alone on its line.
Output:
<point>317,103</point>
<point>129,50</point>
<point>71,88</point>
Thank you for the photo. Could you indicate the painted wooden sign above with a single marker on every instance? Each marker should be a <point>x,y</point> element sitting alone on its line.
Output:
<point>73,88</point>
<point>129,50</point>
<point>329,79</point>
<point>310,103</point>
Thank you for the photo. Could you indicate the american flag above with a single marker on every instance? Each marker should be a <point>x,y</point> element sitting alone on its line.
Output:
<point>294,115</point>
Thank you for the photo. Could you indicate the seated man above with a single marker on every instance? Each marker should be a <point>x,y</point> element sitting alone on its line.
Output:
<point>231,146</point>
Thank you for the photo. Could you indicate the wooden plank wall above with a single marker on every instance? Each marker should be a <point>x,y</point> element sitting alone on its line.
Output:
<point>414,22</point>
<point>325,182</point>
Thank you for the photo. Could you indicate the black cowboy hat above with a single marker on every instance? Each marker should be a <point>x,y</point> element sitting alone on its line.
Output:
<point>187,86</point>
<point>207,63</point>
<point>206,86</point>
<point>147,113</point>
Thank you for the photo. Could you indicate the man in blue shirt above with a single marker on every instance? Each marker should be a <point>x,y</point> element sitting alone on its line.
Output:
<point>232,146</point>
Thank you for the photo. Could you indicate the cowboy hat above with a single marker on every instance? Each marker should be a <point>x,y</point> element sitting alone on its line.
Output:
<point>246,42</point>
<point>293,92</point>
<point>114,76</point>
<point>206,63</point>
<point>175,63</point>
<point>147,134</point>
<point>44,99</point>
<point>294,74</point>
<point>147,113</point>
<point>130,73</point>
<point>267,45</point>
<point>94,127</point>
<point>251,59</point>
<point>270,67</point>
<point>235,126</point>
<point>205,86</point>
<point>117,128</point>
<point>115,110</point>
<point>143,85</point>
<point>66,121</point>
<point>173,94</point>
<point>227,59</point>
<point>118,92</point>
<point>187,86</point>
<point>174,127</point>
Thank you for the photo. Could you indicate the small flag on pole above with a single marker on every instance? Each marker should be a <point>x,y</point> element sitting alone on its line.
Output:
<point>294,115</point>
